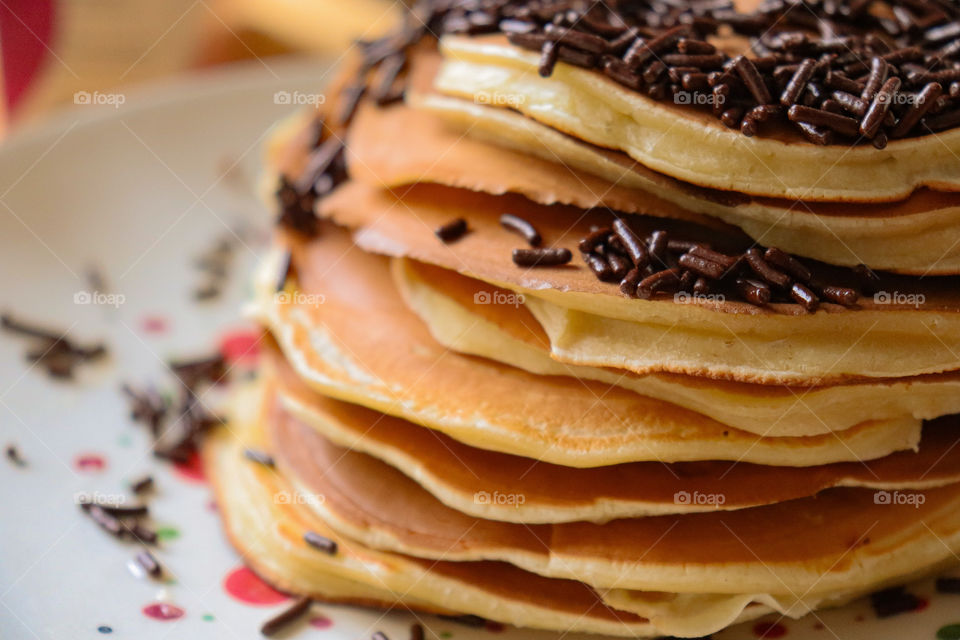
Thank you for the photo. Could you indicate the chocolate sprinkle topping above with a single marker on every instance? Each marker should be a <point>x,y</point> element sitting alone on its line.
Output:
<point>657,264</point>
<point>541,257</point>
<point>319,542</point>
<point>260,457</point>
<point>797,49</point>
<point>837,73</point>
<point>522,228</point>
<point>452,231</point>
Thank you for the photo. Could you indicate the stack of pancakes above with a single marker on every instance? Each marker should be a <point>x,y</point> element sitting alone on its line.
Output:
<point>703,370</point>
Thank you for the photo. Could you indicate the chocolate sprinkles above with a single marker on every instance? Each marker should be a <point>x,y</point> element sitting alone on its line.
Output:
<point>260,457</point>
<point>452,231</point>
<point>540,257</point>
<point>797,58</point>
<point>53,351</point>
<point>14,456</point>
<point>657,263</point>
<point>286,617</point>
<point>320,543</point>
<point>149,563</point>
<point>522,228</point>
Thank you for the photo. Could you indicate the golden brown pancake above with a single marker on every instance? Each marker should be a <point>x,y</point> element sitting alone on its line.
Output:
<point>840,540</point>
<point>486,484</point>
<point>266,517</point>
<point>776,344</point>
<point>349,335</point>
<point>471,316</point>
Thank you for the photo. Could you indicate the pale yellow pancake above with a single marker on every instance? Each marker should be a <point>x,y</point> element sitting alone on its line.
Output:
<point>348,334</point>
<point>690,145</point>
<point>474,317</point>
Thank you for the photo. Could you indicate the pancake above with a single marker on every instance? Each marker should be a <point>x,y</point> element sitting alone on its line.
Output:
<point>488,484</point>
<point>349,335</point>
<point>911,236</point>
<point>265,518</point>
<point>471,316</point>
<point>704,336</point>
<point>687,145</point>
<point>842,540</point>
<point>473,146</point>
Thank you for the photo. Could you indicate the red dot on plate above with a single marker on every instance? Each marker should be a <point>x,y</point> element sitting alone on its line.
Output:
<point>240,346</point>
<point>153,324</point>
<point>321,622</point>
<point>163,611</point>
<point>922,603</point>
<point>90,462</point>
<point>192,469</point>
<point>769,630</point>
<point>246,586</point>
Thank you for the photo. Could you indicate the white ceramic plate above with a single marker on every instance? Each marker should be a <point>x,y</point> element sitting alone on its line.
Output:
<point>138,193</point>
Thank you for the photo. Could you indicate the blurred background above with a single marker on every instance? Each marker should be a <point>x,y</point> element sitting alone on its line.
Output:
<point>57,52</point>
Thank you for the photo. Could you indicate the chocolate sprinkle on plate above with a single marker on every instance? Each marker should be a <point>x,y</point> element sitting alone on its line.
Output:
<point>948,585</point>
<point>149,563</point>
<point>14,456</point>
<point>893,601</point>
<point>143,485</point>
<point>286,617</point>
<point>54,351</point>
<point>467,620</point>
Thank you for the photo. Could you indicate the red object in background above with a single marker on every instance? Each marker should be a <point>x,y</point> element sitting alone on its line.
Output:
<point>26,30</point>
